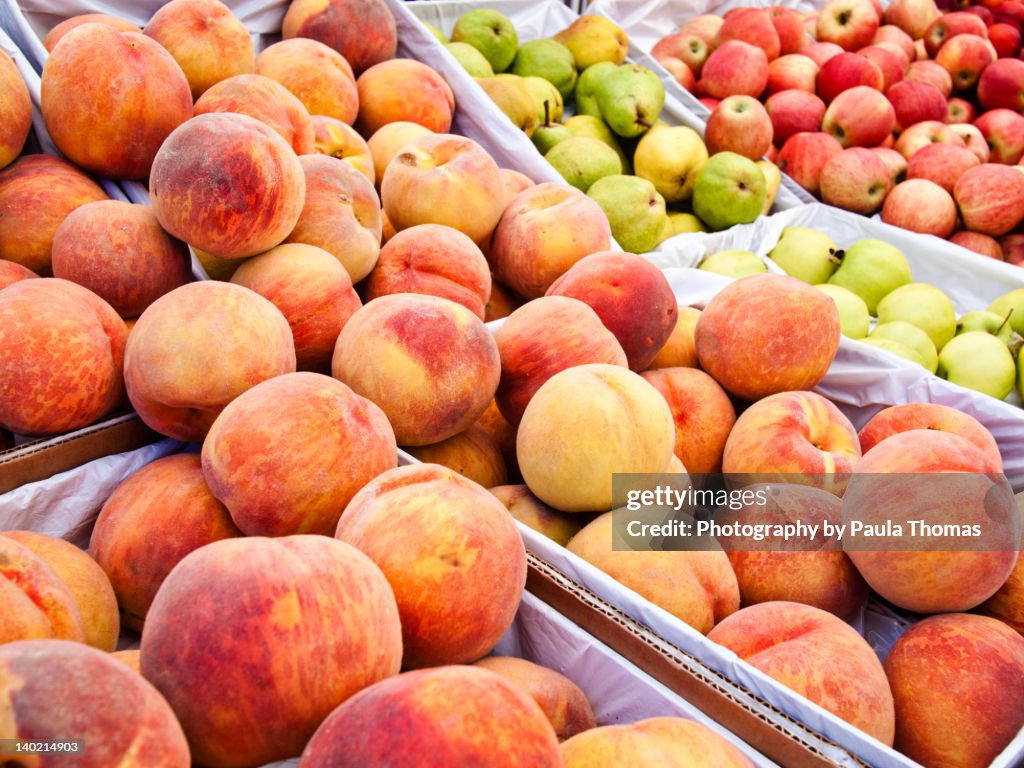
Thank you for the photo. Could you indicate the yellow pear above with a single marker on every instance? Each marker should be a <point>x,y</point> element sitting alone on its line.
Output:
<point>772,179</point>
<point>594,38</point>
<point>513,98</point>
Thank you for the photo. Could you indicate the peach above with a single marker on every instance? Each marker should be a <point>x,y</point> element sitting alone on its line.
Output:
<point>52,687</point>
<point>817,655</point>
<point>12,272</point>
<point>698,587</point>
<point>109,99</point>
<point>62,356</point>
<point>339,442</point>
<point>319,76</point>
<point>680,348</point>
<point>363,31</point>
<point>192,352</point>
<point>120,252</point>
<point>435,260</point>
<point>41,604</point>
<point>958,683</point>
<point>207,40</point>
<point>86,580</point>
<point>227,184</point>
<point>452,555</point>
<point>503,301</point>
<point>404,90</point>
<point>265,100</point>
<point>562,701</point>
<point>614,284</point>
<point>388,140</point>
<point>129,657</point>
<point>535,514</point>
<point>585,424</point>
<point>15,111</point>
<point>313,291</point>
<point>37,192</point>
<point>304,621</point>
<point>154,518</point>
<point>514,182</point>
<point>702,412</point>
<point>334,138</point>
<point>457,715</point>
<point>341,214</point>
<point>768,333</point>
<point>429,363</point>
<point>670,742</point>
<point>54,36</point>
<point>474,454</point>
<point>544,231</point>
<point>543,337</point>
<point>504,435</point>
<point>443,179</point>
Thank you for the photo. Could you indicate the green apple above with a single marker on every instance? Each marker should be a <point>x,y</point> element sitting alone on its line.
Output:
<point>635,211</point>
<point>979,361</point>
<point>735,262</point>
<point>983,320</point>
<point>547,99</point>
<point>1011,303</point>
<point>549,59</point>
<point>729,190</point>
<point>582,160</point>
<point>471,59</point>
<point>593,38</point>
<point>490,32</point>
<point>670,157</point>
<point>923,305</point>
<point>586,89</point>
<point>912,337</point>
<point>589,125</point>
<point>684,223</point>
<point>630,99</point>
<point>854,318</point>
<point>872,269</point>
<point>806,254</point>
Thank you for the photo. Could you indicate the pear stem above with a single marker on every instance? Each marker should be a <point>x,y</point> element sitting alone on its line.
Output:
<point>547,112</point>
<point>836,255</point>
<point>1015,343</point>
<point>1005,321</point>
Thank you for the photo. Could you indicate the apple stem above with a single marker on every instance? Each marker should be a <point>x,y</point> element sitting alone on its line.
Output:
<point>1015,343</point>
<point>1005,321</point>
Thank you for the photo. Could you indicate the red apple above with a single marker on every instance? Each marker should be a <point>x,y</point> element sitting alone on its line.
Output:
<point>793,70</point>
<point>890,33</point>
<point>820,52</point>
<point>751,25</point>
<point>924,133</point>
<point>1003,130</point>
<point>734,67</point>
<point>681,73</point>
<point>964,57</point>
<point>928,71</point>
<point>989,197</point>
<point>1002,85</point>
<point>948,26</point>
<point>792,111</point>
<point>705,26</point>
<point>921,206</point>
<point>912,16</point>
<point>855,179</point>
<point>894,161</point>
<point>914,102</point>
<point>889,60</point>
<point>859,117</point>
<point>973,139</point>
<point>1005,38</point>
<point>986,245</point>
<point>846,71</point>
<point>851,24</point>
<point>959,111</point>
<point>690,49</point>
<point>1013,248</point>
<point>804,155</point>
<point>941,163</point>
<point>789,25</point>
<point>739,124</point>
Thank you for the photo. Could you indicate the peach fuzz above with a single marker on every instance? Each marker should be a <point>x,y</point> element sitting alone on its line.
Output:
<point>817,655</point>
<point>38,604</point>
<point>15,109</point>
<point>119,251</point>
<point>404,90</point>
<point>543,337</point>
<point>126,77</point>
<point>37,192</point>
<point>436,260</point>
<point>129,657</point>
<point>363,31</point>
<point>319,76</point>
<point>452,555</point>
<point>311,289</point>
<point>430,364</point>
<point>473,453</point>
<point>85,579</point>
<point>543,231</point>
<point>334,138</point>
<point>154,518</point>
<point>12,272</point>
<point>534,513</point>
<point>339,442</point>
<point>698,587</point>
<point>561,700</point>
<point>388,140</point>
<point>207,40</point>
<point>315,618</point>
<point>680,347</point>
<point>54,36</point>
<point>52,687</point>
<point>180,369</point>
<point>458,715</point>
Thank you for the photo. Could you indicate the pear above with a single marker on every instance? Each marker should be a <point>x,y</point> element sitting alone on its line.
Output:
<point>989,322</point>
<point>512,98</point>
<point>871,269</point>
<point>471,59</point>
<point>635,210</point>
<point>854,318</point>
<point>670,157</point>
<point>922,305</point>
<point>773,180</point>
<point>589,125</point>
<point>593,39</point>
<point>490,32</point>
<point>979,361</point>
<point>1012,302</point>
<point>666,232</point>
<point>582,160</point>
<point>586,89</point>
<point>736,262</point>
<point>684,223</point>
<point>894,347</point>
<point>547,99</point>
<point>547,135</point>
<point>806,254</point>
<point>435,31</point>
<point>913,338</point>
<point>729,190</point>
<point>630,99</point>
<point>549,59</point>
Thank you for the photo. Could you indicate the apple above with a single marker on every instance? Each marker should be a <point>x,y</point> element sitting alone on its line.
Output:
<point>986,245</point>
<point>889,60</point>
<point>794,70</point>
<point>921,206</point>
<point>789,26</point>
<point>688,48</point>
<point>912,16</point>
<point>928,71</point>
<point>890,33</point>
<point>965,57</point>
<point>739,124</point>
<point>1003,130</point>
<point>678,69</point>
<point>989,196</point>
<point>847,70</point>
<point>820,52</point>
<point>915,101</point>
<point>804,155</point>
<point>855,179</point>
<point>960,111</point>
<point>704,25</point>
<point>751,25</point>
<point>734,67</point>
<point>941,163</point>
<point>793,111</point>
<point>924,133</point>
<point>973,139</point>
<point>850,24</point>
<point>1005,38</point>
<point>1013,248</point>
<point>1002,85</point>
<point>894,161</point>
<point>948,26</point>
<point>859,117</point>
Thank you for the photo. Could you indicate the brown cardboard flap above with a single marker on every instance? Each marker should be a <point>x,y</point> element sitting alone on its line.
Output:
<point>768,730</point>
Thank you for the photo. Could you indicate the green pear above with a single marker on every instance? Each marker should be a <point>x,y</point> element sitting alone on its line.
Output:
<point>585,93</point>
<point>546,136</point>
<point>911,337</point>
<point>630,99</point>
<point>589,125</point>
<point>736,262</point>
<point>923,305</point>
<point>435,31</point>
<point>546,98</point>
<point>471,59</point>
<point>635,210</point>
<point>871,269</point>
<point>983,320</point>
<point>729,190</point>
<point>490,32</point>
<point>670,157</point>
<point>593,39</point>
<point>549,59</point>
<point>582,160</point>
<point>512,98</point>
<point>1013,303</point>
<point>895,347</point>
<point>684,223</point>
<point>806,254</point>
<point>854,318</point>
<point>979,361</point>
